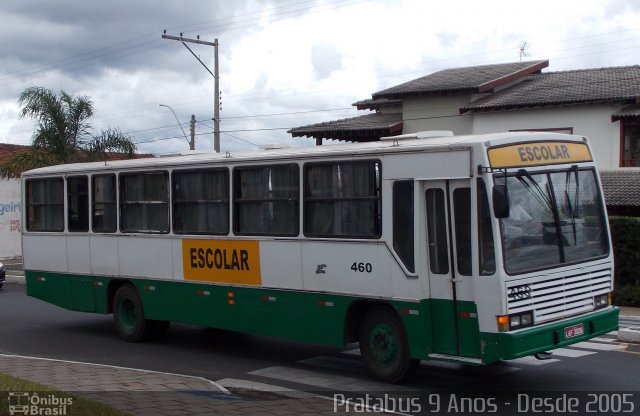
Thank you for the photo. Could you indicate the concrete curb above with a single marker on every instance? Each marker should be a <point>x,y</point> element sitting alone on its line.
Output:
<point>14,277</point>
<point>629,334</point>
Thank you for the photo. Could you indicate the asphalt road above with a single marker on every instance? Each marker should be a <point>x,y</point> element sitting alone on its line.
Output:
<point>34,328</point>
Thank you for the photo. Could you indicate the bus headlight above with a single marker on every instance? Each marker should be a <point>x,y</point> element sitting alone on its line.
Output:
<point>515,321</point>
<point>602,301</point>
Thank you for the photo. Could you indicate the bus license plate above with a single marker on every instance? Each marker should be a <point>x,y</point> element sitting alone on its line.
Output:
<point>574,331</point>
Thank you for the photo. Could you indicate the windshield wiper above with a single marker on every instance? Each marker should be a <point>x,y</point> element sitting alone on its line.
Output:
<point>572,216</point>
<point>534,189</point>
<point>573,212</point>
<point>547,199</point>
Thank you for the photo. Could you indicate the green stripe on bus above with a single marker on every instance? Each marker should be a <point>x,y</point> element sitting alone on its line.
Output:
<point>312,316</point>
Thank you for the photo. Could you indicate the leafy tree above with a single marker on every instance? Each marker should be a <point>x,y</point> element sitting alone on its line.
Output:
<point>63,133</point>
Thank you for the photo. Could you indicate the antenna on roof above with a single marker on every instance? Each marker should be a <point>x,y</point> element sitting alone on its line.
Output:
<point>523,52</point>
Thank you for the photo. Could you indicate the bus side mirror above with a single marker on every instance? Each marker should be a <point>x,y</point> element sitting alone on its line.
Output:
<point>500,196</point>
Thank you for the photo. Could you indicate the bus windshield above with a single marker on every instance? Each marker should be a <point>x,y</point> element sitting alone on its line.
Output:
<point>554,218</point>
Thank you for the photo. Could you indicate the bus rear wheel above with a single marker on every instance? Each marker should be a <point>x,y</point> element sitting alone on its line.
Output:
<point>128,316</point>
<point>384,346</point>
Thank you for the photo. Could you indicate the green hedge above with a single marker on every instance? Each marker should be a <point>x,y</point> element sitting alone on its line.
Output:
<point>625,235</point>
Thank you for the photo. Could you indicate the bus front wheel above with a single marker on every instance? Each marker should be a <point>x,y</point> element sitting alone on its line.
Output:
<point>128,315</point>
<point>384,346</point>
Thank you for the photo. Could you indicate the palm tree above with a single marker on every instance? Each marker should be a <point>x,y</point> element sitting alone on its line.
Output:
<point>63,133</point>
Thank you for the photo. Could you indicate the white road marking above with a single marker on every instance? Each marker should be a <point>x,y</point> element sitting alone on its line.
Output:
<point>271,388</point>
<point>597,346</point>
<point>601,339</point>
<point>531,360</point>
<point>571,353</point>
<point>328,381</point>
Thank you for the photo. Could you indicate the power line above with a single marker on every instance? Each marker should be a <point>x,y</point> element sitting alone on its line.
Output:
<point>238,138</point>
<point>167,138</point>
<point>288,113</point>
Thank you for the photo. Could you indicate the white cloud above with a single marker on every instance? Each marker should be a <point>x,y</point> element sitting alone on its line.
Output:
<point>280,57</point>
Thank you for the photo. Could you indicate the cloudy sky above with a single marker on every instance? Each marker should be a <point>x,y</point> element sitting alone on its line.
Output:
<point>283,63</point>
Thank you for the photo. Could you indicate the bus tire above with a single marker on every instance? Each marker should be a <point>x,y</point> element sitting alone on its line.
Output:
<point>128,315</point>
<point>384,346</point>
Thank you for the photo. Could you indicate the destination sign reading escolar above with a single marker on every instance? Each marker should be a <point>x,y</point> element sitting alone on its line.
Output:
<point>222,261</point>
<point>541,153</point>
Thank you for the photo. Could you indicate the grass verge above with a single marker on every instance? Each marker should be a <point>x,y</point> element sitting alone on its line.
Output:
<point>76,406</point>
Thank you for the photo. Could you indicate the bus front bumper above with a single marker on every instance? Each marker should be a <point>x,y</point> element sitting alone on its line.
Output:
<point>529,341</point>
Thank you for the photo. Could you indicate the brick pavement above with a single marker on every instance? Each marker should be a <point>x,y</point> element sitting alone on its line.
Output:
<point>141,392</point>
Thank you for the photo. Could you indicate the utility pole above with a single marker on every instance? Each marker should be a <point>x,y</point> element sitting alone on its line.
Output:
<point>216,104</point>
<point>216,77</point>
<point>192,143</point>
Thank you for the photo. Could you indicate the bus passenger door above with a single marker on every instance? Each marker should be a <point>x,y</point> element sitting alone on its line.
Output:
<point>449,267</point>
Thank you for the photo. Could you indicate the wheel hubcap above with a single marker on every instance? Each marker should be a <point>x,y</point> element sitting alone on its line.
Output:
<point>128,314</point>
<point>383,343</point>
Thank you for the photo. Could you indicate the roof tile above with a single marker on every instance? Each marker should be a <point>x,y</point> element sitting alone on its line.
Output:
<point>7,150</point>
<point>369,125</point>
<point>470,78</point>
<point>565,87</point>
<point>621,187</point>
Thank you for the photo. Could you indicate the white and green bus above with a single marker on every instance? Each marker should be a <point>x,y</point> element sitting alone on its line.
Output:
<point>428,246</point>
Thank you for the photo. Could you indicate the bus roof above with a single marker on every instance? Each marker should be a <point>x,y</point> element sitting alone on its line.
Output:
<point>390,145</point>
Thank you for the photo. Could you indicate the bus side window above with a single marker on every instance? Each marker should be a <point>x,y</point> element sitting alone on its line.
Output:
<point>266,200</point>
<point>343,199</point>
<point>437,232</point>
<point>45,204</point>
<point>485,233</point>
<point>78,204</point>
<point>201,201</point>
<point>144,202</point>
<point>104,213</point>
<point>403,222</point>
<point>462,211</point>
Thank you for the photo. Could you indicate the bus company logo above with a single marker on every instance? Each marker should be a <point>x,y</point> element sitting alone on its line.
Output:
<point>34,404</point>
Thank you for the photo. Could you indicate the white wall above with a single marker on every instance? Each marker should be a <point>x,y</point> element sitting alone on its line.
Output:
<point>436,113</point>
<point>10,219</point>
<point>593,121</point>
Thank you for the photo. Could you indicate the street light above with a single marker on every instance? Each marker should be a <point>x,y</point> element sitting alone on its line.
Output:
<point>191,144</point>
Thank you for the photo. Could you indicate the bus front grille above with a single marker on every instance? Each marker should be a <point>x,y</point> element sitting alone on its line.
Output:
<point>556,297</point>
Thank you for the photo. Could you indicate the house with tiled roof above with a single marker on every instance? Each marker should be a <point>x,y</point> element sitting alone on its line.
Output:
<point>602,104</point>
<point>431,102</point>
